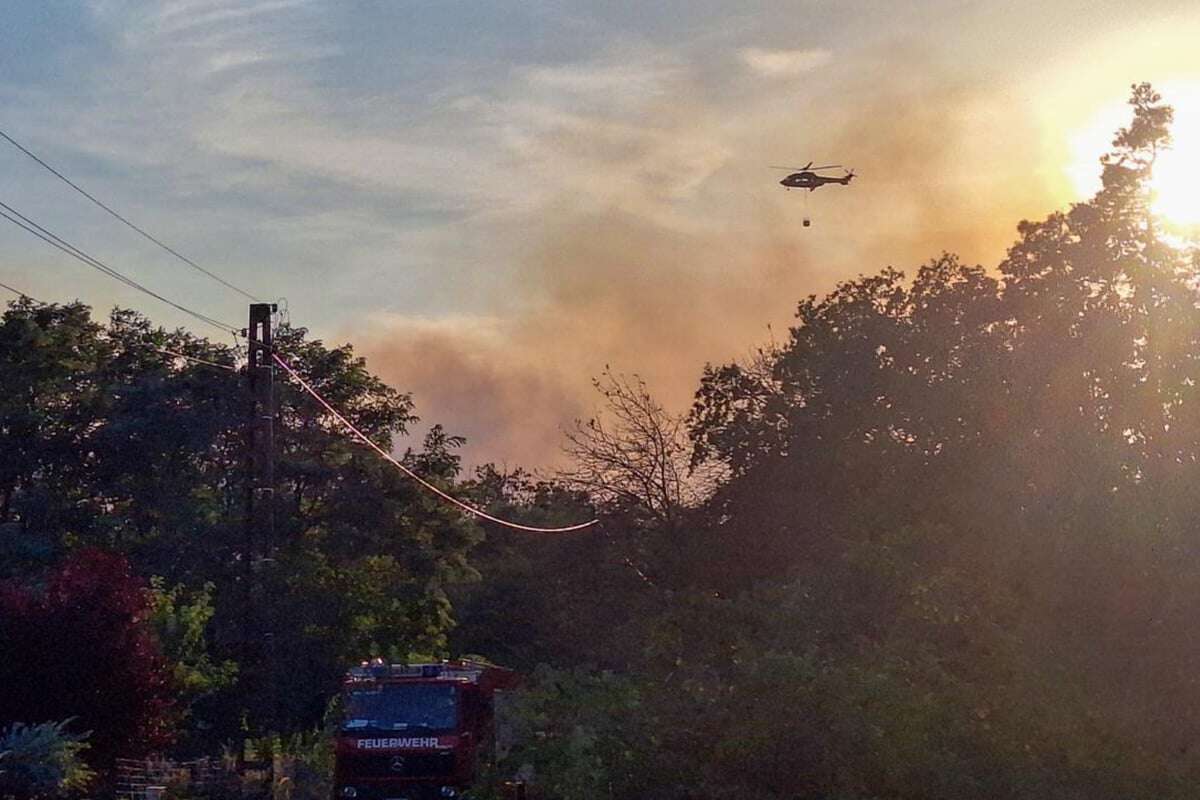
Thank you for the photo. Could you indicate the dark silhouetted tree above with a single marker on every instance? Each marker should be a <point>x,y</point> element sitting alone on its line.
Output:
<point>80,646</point>
<point>107,442</point>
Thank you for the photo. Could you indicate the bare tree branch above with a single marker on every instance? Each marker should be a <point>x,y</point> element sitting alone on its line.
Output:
<point>636,456</point>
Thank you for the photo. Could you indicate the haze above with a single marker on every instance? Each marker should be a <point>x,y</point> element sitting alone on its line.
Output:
<point>493,202</point>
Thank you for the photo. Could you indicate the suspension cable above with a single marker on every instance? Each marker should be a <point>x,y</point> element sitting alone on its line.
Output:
<point>414,476</point>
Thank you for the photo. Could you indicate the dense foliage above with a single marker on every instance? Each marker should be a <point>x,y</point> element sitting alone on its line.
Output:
<point>80,647</point>
<point>42,761</point>
<point>954,553</point>
<point>111,445</point>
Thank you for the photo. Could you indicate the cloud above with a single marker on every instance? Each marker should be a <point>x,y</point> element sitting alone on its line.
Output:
<point>783,63</point>
<point>617,82</point>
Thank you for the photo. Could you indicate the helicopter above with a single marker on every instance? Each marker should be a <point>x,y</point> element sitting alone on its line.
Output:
<point>806,177</point>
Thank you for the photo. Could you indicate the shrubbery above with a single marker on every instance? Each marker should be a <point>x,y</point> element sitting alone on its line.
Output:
<point>42,761</point>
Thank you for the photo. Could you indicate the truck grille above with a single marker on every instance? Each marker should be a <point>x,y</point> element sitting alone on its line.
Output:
<point>397,765</point>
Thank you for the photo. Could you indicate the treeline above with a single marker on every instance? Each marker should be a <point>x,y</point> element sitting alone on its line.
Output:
<point>938,543</point>
<point>941,542</point>
<point>135,598</point>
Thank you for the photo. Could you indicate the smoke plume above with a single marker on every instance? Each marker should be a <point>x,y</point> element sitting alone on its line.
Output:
<point>670,244</point>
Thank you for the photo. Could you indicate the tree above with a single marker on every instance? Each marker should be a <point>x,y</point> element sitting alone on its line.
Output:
<point>638,461</point>
<point>574,731</point>
<point>48,394</point>
<point>88,653</point>
<point>955,553</point>
<point>582,598</point>
<point>564,600</point>
<point>638,466</point>
<point>116,445</point>
<point>181,619</point>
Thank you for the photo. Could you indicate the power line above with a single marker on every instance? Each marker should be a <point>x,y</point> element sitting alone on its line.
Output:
<point>185,356</point>
<point>51,238</point>
<point>25,223</point>
<point>426,484</point>
<point>19,292</point>
<point>162,350</point>
<point>161,244</point>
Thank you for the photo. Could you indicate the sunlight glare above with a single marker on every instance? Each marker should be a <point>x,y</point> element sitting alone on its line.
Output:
<point>1177,171</point>
<point>1176,181</point>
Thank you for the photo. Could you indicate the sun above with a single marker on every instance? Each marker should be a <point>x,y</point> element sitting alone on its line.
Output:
<point>1175,186</point>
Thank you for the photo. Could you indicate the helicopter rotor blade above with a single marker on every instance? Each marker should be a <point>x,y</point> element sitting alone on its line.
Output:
<point>810,168</point>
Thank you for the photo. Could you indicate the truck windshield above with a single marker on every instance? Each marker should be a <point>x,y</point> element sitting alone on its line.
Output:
<point>401,707</point>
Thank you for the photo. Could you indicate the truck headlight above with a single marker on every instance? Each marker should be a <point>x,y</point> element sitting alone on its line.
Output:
<point>349,791</point>
<point>449,791</point>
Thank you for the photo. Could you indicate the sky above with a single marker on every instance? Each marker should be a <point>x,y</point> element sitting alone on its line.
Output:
<point>493,202</point>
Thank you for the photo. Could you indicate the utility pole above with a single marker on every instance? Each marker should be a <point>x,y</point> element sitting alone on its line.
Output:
<point>260,516</point>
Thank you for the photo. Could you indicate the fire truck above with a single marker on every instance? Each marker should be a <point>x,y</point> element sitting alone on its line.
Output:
<point>416,731</point>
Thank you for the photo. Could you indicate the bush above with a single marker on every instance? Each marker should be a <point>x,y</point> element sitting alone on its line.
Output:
<point>88,653</point>
<point>42,760</point>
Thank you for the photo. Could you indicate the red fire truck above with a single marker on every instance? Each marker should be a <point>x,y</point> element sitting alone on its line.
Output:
<point>415,731</point>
